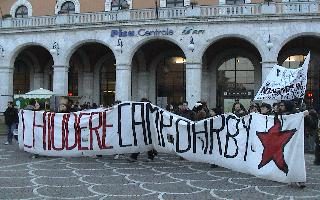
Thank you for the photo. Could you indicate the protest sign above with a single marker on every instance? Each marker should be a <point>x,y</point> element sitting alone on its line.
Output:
<point>284,84</point>
<point>265,146</point>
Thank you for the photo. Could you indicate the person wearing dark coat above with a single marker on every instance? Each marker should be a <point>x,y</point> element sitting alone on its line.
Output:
<point>11,120</point>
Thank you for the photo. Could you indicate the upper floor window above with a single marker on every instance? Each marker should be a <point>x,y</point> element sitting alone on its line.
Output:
<point>22,11</point>
<point>175,3</point>
<point>235,2</point>
<point>119,4</point>
<point>67,8</point>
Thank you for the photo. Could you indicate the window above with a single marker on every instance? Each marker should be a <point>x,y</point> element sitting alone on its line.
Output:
<point>235,2</point>
<point>73,81</point>
<point>21,12</point>
<point>236,74</point>
<point>67,8</point>
<point>107,84</point>
<point>119,4</point>
<point>21,78</point>
<point>171,79</point>
<point>175,3</point>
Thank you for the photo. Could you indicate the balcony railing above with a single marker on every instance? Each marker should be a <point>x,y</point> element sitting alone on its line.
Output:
<point>285,8</point>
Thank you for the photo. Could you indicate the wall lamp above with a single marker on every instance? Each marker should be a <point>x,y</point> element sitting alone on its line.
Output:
<point>55,48</point>
<point>1,51</point>
<point>119,46</point>
<point>191,44</point>
<point>269,43</point>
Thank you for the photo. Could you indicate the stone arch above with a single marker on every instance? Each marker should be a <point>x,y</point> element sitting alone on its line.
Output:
<point>18,49</point>
<point>61,2</point>
<point>292,37</point>
<point>242,37</point>
<point>19,3</point>
<point>140,43</point>
<point>78,44</point>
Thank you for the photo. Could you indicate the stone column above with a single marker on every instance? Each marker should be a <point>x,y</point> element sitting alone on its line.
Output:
<point>143,85</point>
<point>87,86</point>
<point>123,82</point>
<point>60,80</point>
<point>38,81</point>
<point>6,87</point>
<point>266,68</point>
<point>193,83</point>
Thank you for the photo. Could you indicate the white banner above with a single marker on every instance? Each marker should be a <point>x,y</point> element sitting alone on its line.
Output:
<point>261,145</point>
<point>284,84</point>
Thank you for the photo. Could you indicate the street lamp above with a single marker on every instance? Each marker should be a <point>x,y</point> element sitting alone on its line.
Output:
<point>119,46</point>
<point>191,44</point>
<point>55,48</point>
<point>269,43</point>
<point>1,51</point>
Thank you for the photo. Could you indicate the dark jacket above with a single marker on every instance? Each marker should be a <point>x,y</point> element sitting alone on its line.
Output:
<point>11,116</point>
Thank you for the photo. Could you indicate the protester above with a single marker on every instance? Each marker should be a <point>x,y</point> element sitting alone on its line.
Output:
<point>265,109</point>
<point>200,113</point>
<point>170,108</point>
<point>214,112</point>
<point>185,112</point>
<point>205,108</point>
<point>151,154</point>
<point>275,108</point>
<point>254,108</point>
<point>287,107</point>
<point>310,130</point>
<point>11,120</point>
<point>239,110</point>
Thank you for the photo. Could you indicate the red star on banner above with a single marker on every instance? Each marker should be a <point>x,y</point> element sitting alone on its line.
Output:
<point>274,142</point>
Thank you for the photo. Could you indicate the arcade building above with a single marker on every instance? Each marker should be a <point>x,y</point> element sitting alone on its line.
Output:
<point>166,50</point>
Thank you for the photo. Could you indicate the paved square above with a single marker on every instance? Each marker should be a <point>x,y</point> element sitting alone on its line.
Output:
<point>167,177</point>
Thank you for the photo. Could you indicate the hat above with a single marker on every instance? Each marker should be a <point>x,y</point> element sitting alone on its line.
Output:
<point>197,105</point>
<point>266,105</point>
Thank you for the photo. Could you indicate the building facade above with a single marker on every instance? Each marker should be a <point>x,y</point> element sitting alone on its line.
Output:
<point>167,51</point>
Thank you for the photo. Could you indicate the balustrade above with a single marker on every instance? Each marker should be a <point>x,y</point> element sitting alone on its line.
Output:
<point>214,11</point>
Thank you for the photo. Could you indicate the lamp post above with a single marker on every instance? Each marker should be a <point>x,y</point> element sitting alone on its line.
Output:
<point>191,44</point>
<point>1,51</point>
<point>119,46</point>
<point>55,48</point>
<point>269,43</point>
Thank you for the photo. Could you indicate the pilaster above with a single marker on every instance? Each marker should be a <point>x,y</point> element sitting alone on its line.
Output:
<point>123,82</point>
<point>60,80</point>
<point>193,83</point>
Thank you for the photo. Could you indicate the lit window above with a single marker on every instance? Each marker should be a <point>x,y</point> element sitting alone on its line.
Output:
<point>236,74</point>
<point>21,12</point>
<point>175,3</point>
<point>294,61</point>
<point>67,8</point>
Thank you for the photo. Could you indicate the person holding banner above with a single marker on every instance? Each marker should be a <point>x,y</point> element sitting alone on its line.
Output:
<point>265,109</point>
<point>238,109</point>
<point>151,154</point>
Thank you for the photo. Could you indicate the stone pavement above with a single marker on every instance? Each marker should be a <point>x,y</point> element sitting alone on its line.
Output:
<point>167,177</point>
